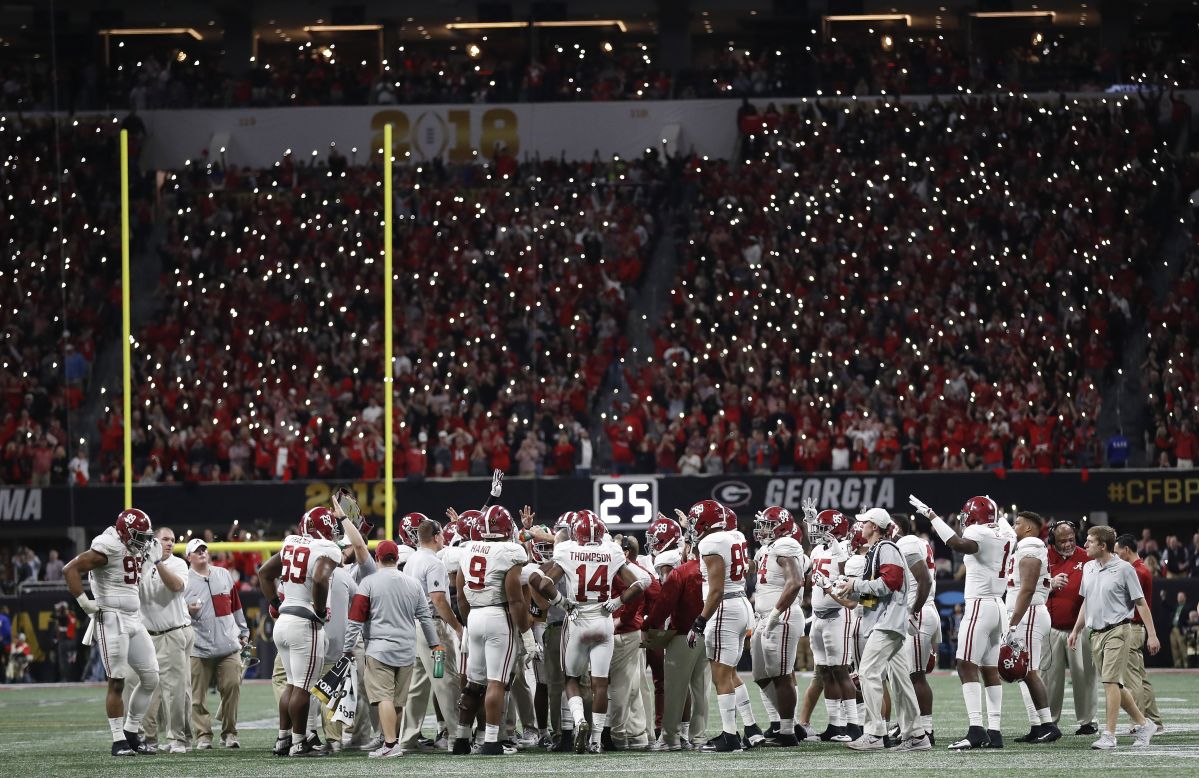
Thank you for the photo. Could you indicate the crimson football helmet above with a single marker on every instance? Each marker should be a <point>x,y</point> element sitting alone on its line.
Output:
<point>1013,662</point>
<point>496,524</point>
<point>320,522</point>
<point>663,535</point>
<point>587,529</point>
<point>134,530</point>
<point>773,523</point>
<point>541,550</point>
<point>979,510</point>
<point>829,525</point>
<point>710,516</point>
<point>406,533</point>
<point>857,537</point>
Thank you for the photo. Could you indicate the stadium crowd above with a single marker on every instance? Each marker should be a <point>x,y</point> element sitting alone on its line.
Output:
<point>937,286</point>
<point>319,74</point>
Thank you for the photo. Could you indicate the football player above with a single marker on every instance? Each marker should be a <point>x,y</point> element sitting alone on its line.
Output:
<point>832,625</point>
<point>664,542</point>
<point>493,607</point>
<point>1028,624</point>
<point>987,543</point>
<point>295,581</point>
<point>593,563</point>
<point>926,622</point>
<point>725,620</point>
<point>116,560</point>
<point>781,567</point>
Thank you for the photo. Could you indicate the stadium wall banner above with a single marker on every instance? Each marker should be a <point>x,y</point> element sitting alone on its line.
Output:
<point>260,137</point>
<point>626,502</point>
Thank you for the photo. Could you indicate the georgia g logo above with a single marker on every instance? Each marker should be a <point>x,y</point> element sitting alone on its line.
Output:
<point>732,493</point>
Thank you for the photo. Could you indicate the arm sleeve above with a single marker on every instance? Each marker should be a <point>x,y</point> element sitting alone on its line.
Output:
<point>425,617</point>
<point>890,575</point>
<point>360,610</point>
<point>364,569</point>
<point>239,615</point>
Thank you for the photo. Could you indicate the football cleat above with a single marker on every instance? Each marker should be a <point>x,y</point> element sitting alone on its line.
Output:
<point>893,732</point>
<point>783,740</point>
<point>140,746</point>
<point>994,739</point>
<point>461,746</point>
<point>606,740</point>
<point>724,743</point>
<point>976,737</point>
<point>931,738</point>
<point>854,731</point>
<point>282,745</point>
<point>582,736</point>
<point>833,733</point>
<point>754,736</point>
<point>805,733</point>
<point>121,748</point>
<point>492,749</point>
<point>1032,735</point>
<point>595,748</point>
<point>1087,729</point>
<point>565,743</point>
<point>303,749</point>
<point>1049,733</point>
<point>772,730</point>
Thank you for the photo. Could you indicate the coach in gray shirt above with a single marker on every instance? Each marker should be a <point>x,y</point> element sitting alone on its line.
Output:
<point>430,572</point>
<point>1111,591</point>
<point>391,602</point>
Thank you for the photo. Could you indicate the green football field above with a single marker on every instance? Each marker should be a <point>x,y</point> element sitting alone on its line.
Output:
<point>61,731</point>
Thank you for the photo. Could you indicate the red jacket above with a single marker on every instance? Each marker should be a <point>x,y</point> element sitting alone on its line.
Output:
<point>1146,579</point>
<point>631,616</point>
<point>1065,603</point>
<point>681,599</point>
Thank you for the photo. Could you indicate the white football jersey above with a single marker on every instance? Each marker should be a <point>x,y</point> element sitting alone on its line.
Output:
<point>730,546</point>
<point>855,566</point>
<point>986,569</point>
<point>771,577</point>
<point>450,556</point>
<point>916,549</point>
<point>591,571</point>
<point>114,584</point>
<point>485,564</point>
<point>671,559</point>
<point>828,561</point>
<point>1028,548</point>
<point>299,555</point>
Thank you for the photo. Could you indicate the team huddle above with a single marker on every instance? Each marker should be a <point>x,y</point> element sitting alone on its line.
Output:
<point>496,619</point>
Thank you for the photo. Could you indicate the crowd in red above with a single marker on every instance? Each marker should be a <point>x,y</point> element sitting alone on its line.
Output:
<point>882,286</point>
<point>264,361</point>
<point>63,265</point>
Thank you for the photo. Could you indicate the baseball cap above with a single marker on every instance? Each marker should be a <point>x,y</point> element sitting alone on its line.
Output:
<point>880,517</point>
<point>195,544</point>
<point>387,550</point>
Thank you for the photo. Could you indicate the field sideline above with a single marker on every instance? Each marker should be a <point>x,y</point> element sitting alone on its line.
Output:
<point>60,731</point>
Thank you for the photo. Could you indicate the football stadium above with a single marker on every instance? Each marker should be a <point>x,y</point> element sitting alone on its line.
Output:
<point>690,386</point>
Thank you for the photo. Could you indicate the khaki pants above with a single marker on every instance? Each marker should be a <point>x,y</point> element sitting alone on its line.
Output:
<point>884,653</point>
<point>1136,680</point>
<point>555,678</point>
<point>1056,656</point>
<point>626,713</point>
<point>1178,647</point>
<point>684,670</point>
<point>1110,652</point>
<point>446,689</point>
<point>173,694</point>
<point>647,693</point>
<point>227,670</point>
<point>387,684</point>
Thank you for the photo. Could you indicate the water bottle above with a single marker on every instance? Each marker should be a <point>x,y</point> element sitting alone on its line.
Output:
<point>438,662</point>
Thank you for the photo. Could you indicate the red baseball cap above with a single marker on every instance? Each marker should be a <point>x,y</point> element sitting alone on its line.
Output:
<point>387,550</point>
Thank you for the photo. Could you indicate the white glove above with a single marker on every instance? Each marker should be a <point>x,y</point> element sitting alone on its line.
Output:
<point>153,552</point>
<point>772,620</point>
<point>1011,640</point>
<point>844,588</point>
<point>920,507</point>
<point>820,580</point>
<point>497,482</point>
<point>612,605</point>
<point>809,510</point>
<point>532,650</point>
<point>88,605</point>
